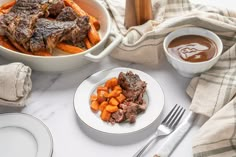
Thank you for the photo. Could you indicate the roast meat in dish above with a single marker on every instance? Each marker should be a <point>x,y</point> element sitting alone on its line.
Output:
<point>28,24</point>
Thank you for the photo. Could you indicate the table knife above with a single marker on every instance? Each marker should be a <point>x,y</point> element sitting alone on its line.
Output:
<point>174,139</point>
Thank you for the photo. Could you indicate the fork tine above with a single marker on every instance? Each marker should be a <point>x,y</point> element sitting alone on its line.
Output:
<point>175,117</point>
<point>178,119</point>
<point>167,117</point>
<point>172,117</point>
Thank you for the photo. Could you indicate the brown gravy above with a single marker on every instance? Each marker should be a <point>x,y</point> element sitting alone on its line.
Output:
<point>192,48</point>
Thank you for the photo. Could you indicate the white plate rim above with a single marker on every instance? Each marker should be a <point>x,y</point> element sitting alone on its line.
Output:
<point>27,126</point>
<point>120,132</point>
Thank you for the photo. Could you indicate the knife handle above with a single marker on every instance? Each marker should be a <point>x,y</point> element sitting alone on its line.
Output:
<point>176,136</point>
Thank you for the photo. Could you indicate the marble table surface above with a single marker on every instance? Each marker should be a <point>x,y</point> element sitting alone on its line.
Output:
<point>51,101</point>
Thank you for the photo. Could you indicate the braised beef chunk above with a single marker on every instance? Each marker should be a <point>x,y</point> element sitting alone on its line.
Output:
<point>118,116</point>
<point>38,7</point>
<point>77,36</point>
<point>29,7</point>
<point>21,29</point>
<point>133,87</point>
<point>48,33</point>
<point>83,23</point>
<point>55,7</point>
<point>67,14</point>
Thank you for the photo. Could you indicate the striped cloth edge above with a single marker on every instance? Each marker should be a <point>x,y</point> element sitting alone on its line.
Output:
<point>214,91</point>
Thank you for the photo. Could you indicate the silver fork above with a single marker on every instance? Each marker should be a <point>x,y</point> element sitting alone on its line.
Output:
<point>165,128</point>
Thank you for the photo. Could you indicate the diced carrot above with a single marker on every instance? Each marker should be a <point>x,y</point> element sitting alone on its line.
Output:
<point>108,84</point>
<point>101,96</point>
<point>121,98</point>
<point>114,82</point>
<point>93,97</point>
<point>69,48</point>
<point>103,105</point>
<point>117,87</point>
<point>114,93</point>
<point>114,102</point>
<point>111,108</point>
<point>94,106</point>
<point>8,4</point>
<point>105,115</point>
<point>102,88</point>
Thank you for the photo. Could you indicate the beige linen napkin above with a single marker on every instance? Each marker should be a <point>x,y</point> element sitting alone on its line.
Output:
<point>15,84</point>
<point>214,92</point>
<point>213,95</point>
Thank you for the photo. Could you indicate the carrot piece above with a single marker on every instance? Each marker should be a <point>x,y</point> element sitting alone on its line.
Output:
<point>93,97</point>
<point>87,43</point>
<point>121,98</point>
<point>105,115</point>
<point>102,88</point>
<point>103,105</point>
<point>94,106</point>
<point>42,53</point>
<point>114,82</point>
<point>108,84</point>
<point>117,87</point>
<point>101,96</point>
<point>113,101</point>
<point>8,4</point>
<point>114,93</point>
<point>69,48</point>
<point>92,34</point>
<point>5,11</point>
<point>5,43</point>
<point>111,108</point>
<point>95,22</point>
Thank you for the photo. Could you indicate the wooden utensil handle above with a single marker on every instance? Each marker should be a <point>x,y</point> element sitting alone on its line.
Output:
<point>130,15</point>
<point>143,10</point>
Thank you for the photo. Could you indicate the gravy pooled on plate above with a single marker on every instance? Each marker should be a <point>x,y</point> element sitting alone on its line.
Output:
<point>192,48</point>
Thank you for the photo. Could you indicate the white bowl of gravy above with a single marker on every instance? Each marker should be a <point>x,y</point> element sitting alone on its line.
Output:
<point>192,50</point>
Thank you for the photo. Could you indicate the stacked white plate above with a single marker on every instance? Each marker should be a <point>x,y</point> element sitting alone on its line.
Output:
<point>22,135</point>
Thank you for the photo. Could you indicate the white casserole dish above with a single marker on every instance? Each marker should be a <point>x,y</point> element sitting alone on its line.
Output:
<point>62,61</point>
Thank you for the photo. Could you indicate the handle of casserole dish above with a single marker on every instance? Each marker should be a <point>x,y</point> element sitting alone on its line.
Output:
<point>115,41</point>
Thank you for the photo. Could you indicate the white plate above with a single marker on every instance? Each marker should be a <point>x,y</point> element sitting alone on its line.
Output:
<point>22,135</point>
<point>154,95</point>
